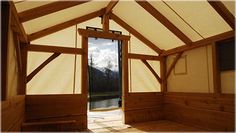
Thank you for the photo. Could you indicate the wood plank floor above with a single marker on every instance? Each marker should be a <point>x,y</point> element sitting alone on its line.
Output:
<point>111,121</point>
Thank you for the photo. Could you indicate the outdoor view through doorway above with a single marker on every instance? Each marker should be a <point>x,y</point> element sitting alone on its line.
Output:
<point>104,66</point>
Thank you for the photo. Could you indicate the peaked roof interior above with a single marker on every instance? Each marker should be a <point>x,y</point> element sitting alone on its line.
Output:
<point>188,21</point>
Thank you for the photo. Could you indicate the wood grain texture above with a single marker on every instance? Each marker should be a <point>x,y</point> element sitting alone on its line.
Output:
<point>145,57</point>
<point>110,6</point>
<point>47,9</point>
<point>216,69</point>
<point>162,19</point>
<point>200,43</point>
<point>223,12</point>
<point>54,49</point>
<point>207,111</point>
<point>54,108</point>
<point>141,107</point>
<point>13,113</point>
<point>163,75</point>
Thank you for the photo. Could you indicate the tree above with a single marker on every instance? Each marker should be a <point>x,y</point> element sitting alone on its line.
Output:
<point>108,74</point>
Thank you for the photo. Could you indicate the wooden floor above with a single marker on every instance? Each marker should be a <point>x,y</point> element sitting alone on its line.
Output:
<point>111,121</point>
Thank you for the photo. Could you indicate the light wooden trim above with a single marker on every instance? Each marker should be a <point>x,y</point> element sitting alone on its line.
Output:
<point>223,12</point>
<point>163,74</point>
<point>105,22</point>
<point>216,69</point>
<point>110,6</point>
<point>106,35</point>
<point>54,49</point>
<point>40,67</point>
<point>151,69</point>
<point>144,57</point>
<point>135,33</point>
<point>47,9</point>
<point>173,64</point>
<point>161,18</point>
<point>17,25</point>
<point>66,24</point>
<point>125,73</point>
<point>84,62</point>
<point>200,43</point>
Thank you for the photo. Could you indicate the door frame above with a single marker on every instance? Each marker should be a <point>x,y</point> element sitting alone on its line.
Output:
<point>85,34</point>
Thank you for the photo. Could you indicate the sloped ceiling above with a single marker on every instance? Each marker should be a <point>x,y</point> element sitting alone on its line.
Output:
<point>196,19</point>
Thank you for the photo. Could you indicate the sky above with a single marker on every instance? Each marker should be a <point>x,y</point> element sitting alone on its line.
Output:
<point>102,51</point>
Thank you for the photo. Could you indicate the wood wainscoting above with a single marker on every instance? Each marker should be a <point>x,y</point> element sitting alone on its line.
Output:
<point>206,111</point>
<point>57,108</point>
<point>13,113</point>
<point>141,107</point>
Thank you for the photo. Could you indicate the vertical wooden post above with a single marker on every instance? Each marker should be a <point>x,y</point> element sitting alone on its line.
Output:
<point>105,22</point>
<point>6,15</point>
<point>84,62</point>
<point>24,55</point>
<point>125,76</point>
<point>216,70</point>
<point>163,75</point>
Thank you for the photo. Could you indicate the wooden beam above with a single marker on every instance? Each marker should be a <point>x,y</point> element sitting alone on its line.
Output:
<point>106,35</point>
<point>66,24</point>
<point>216,69</point>
<point>24,56</point>
<point>173,64</point>
<point>162,19</point>
<point>51,58</point>
<point>163,75</point>
<point>135,33</point>
<point>16,24</point>
<point>5,24</point>
<point>84,63</point>
<point>110,6</point>
<point>144,57</point>
<point>200,43</point>
<point>105,22</point>
<point>18,52</point>
<point>54,49</point>
<point>47,9</point>
<point>223,12</point>
<point>151,69</point>
<point>125,74</point>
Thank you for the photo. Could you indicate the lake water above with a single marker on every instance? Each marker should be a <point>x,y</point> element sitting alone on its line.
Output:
<point>104,104</point>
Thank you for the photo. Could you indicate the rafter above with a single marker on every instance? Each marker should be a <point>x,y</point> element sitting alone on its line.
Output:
<point>173,64</point>
<point>223,12</point>
<point>54,49</point>
<point>161,18</point>
<point>16,24</point>
<point>110,6</point>
<point>135,33</point>
<point>151,69</point>
<point>200,43</point>
<point>47,9</point>
<point>66,24</point>
<point>32,74</point>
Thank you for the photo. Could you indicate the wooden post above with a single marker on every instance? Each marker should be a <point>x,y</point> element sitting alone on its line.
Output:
<point>125,76</point>
<point>216,71</point>
<point>105,22</point>
<point>84,63</point>
<point>24,54</point>
<point>163,75</point>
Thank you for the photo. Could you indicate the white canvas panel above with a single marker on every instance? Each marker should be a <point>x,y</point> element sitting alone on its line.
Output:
<point>56,78</point>
<point>146,24</point>
<point>138,81</point>
<point>230,5</point>
<point>62,16</point>
<point>27,5</point>
<point>63,38</point>
<point>175,19</point>
<point>201,16</point>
